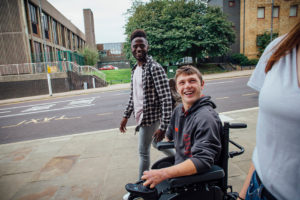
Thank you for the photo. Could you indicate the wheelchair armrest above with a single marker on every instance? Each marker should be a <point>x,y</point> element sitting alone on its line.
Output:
<point>165,145</point>
<point>215,173</point>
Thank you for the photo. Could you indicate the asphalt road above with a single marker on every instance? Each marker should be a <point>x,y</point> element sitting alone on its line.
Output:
<point>100,111</point>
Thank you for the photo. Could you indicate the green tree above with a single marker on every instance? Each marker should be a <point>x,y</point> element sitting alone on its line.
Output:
<point>90,56</point>
<point>263,40</point>
<point>179,28</point>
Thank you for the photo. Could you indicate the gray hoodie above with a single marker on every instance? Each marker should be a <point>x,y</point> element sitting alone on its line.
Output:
<point>196,134</point>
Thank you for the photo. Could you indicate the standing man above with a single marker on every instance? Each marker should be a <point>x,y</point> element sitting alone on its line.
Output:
<point>150,99</point>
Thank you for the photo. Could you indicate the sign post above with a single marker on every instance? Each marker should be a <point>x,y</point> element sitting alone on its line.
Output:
<point>49,80</point>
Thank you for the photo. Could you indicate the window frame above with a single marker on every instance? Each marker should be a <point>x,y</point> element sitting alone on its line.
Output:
<point>296,6</point>
<point>263,10</point>
<point>231,3</point>
<point>278,11</point>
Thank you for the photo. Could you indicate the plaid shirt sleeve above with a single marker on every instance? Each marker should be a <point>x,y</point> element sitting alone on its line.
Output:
<point>129,107</point>
<point>162,88</point>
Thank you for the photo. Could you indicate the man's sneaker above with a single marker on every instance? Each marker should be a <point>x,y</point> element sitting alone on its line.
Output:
<point>125,197</point>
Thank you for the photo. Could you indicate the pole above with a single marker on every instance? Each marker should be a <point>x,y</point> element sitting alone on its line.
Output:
<point>244,29</point>
<point>272,20</point>
<point>94,85</point>
<point>45,48</point>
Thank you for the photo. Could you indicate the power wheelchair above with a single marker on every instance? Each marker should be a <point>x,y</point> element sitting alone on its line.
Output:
<point>211,185</point>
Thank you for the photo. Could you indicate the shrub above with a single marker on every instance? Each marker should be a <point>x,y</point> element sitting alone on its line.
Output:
<point>242,60</point>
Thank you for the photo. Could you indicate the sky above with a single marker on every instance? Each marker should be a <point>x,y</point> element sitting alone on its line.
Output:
<point>109,16</point>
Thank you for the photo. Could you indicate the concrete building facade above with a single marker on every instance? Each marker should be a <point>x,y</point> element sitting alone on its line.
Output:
<point>89,28</point>
<point>34,31</point>
<point>232,9</point>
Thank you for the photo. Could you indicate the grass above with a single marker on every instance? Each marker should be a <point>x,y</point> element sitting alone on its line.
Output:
<point>210,69</point>
<point>117,76</point>
<point>124,75</point>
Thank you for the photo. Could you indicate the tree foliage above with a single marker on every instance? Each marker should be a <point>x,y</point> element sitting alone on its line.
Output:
<point>263,40</point>
<point>180,28</point>
<point>90,56</point>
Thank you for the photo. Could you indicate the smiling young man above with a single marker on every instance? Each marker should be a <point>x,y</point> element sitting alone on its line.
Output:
<point>150,99</point>
<point>195,129</point>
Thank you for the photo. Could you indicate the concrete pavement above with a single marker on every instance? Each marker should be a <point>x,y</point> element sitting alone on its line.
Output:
<point>95,165</point>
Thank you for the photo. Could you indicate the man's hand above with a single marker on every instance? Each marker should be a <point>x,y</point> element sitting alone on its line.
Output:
<point>123,125</point>
<point>159,135</point>
<point>154,177</point>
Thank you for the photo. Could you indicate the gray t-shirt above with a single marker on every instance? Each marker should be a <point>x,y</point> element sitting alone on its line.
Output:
<point>276,155</point>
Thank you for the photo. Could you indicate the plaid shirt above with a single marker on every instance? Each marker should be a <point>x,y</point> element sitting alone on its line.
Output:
<point>157,103</point>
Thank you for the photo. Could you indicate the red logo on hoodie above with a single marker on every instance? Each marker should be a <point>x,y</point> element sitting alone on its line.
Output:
<point>187,145</point>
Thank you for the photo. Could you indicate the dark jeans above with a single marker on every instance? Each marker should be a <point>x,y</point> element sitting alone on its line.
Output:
<point>254,189</point>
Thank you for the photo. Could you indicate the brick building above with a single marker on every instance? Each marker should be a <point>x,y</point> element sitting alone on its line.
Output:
<point>251,18</point>
<point>34,31</point>
<point>256,20</point>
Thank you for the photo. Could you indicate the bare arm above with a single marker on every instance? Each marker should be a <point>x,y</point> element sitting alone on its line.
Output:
<point>154,177</point>
<point>247,182</point>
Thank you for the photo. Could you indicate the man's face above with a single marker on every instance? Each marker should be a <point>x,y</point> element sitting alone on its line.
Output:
<point>139,49</point>
<point>190,89</point>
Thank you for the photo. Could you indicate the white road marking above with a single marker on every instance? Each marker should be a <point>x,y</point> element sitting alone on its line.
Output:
<point>249,94</point>
<point>6,111</point>
<point>64,108</point>
<point>109,113</point>
<point>45,103</point>
<point>40,107</point>
<point>81,101</point>
<point>219,83</point>
<point>222,98</point>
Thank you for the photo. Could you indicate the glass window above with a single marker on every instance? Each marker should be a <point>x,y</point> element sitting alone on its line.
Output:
<point>46,25</point>
<point>293,11</point>
<point>261,12</point>
<point>275,11</point>
<point>33,18</point>
<point>54,29</point>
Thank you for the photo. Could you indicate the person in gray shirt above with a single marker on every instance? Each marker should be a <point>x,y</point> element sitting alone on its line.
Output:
<point>195,128</point>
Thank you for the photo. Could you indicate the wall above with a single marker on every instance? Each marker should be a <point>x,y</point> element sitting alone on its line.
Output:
<point>31,85</point>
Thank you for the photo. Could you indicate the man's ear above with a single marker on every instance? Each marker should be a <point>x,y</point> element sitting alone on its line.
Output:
<point>202,84</point>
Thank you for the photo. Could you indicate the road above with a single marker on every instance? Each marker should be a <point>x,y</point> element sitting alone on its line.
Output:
<point>100,111</point>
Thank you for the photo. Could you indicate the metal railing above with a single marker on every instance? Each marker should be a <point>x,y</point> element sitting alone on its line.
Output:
<point>52,67</point>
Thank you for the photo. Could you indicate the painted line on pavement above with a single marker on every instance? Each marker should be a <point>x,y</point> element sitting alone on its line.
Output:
<point>219,82</point>
<point>249,94</point>
<point>109,113</point>
<point>63,108</point>
<point>219,98</point>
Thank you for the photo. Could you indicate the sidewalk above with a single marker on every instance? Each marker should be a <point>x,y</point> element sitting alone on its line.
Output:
<point>95,165</point>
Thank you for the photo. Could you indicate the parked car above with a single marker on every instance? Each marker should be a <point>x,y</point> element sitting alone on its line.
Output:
<point>108,67</point>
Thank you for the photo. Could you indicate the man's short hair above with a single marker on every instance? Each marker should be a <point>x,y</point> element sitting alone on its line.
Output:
<point>138,33</point>
<point>188,70</point>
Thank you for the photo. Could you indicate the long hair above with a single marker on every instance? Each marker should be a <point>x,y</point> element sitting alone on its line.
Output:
<point>291,40</point>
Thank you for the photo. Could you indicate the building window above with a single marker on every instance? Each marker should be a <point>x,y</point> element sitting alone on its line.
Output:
<point>231,3</point>
<point>275,11</point>
<point>38,56</point>
<point>62,30</point>
<point>46,25</point>
<point>33,18</point>
<point>261,12</point>
<point>54,29</point>
<point>293,11</point>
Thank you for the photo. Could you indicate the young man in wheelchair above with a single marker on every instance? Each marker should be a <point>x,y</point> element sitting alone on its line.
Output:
<point>195,129</point>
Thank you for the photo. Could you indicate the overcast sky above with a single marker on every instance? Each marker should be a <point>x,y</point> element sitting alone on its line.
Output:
<point>109,16</point>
